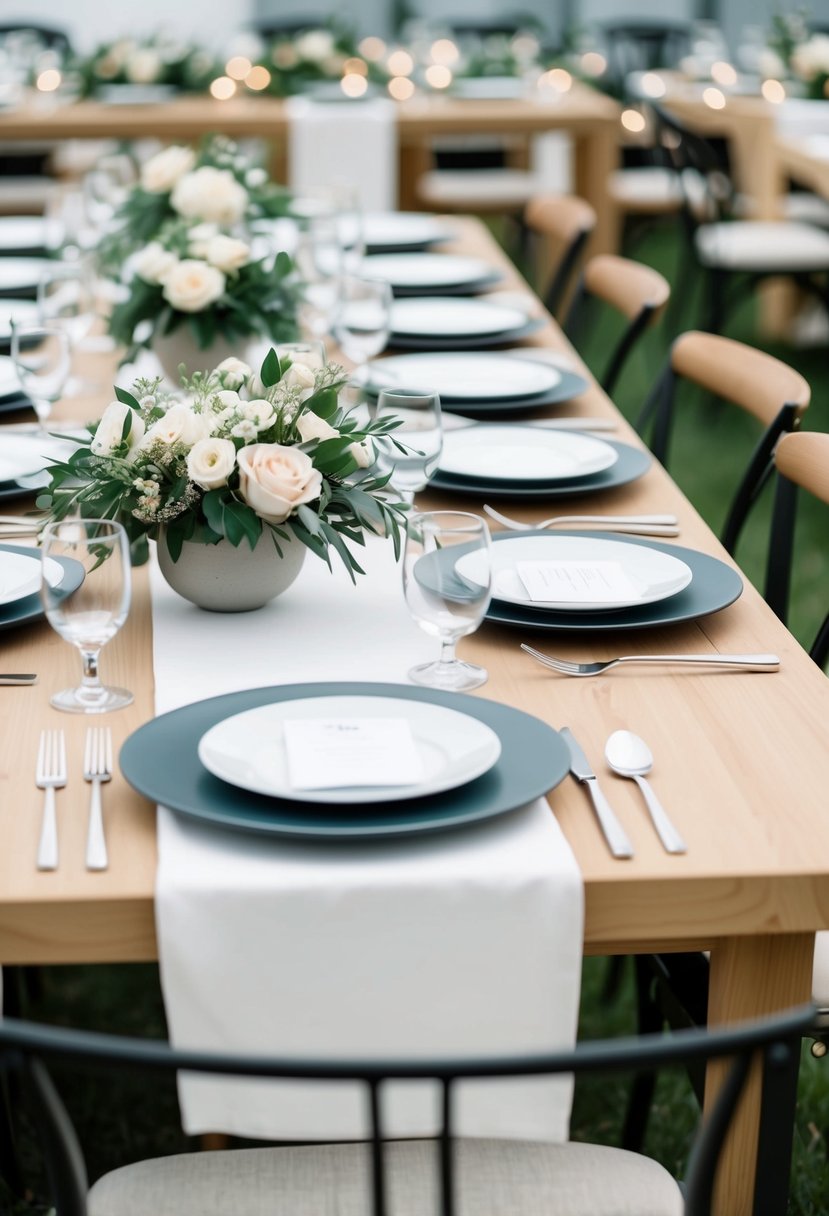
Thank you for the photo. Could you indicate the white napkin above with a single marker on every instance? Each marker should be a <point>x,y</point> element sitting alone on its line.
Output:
<point>451,943</point>
<point>349,142</point>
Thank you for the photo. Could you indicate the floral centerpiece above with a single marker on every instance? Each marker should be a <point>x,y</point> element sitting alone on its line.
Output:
<point>792,53</point>
<point>252,469</point>
<point>297,62</point>
<point>155,60</point>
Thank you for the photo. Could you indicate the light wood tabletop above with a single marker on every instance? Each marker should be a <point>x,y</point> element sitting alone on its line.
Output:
<point>741,764</point>
<point>591,118</point>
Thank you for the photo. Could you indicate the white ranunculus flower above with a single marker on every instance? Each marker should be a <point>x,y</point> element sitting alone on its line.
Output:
<point>234,372</point>
<point>161,172</point>
<point>154,263</point>
<point>111,427</point>
<point>363,453</point>
<point>143,66</point>
<point>259,411</point>
<point>299,375</point>
<point>227,253</point>
<point>179,425</point>
<point>315,45</point>
<point>192,285</point>
<point>210,462</point>
<point>210,194</point>
<point>274,480</point>
<point>311,426</point>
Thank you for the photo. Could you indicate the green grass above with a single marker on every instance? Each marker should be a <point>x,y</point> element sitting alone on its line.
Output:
<point>127,1118</point>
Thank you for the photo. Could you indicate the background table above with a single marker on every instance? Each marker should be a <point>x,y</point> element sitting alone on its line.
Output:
<point>741,763</point>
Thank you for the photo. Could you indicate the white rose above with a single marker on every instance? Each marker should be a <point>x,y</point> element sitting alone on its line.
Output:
<point>275,480</point>
<point>311,426</point>
<point>363,453</point>
<point>154,263</point>
<point>314,45</point>
<point>210,194</point>
<point>161,172</point>
<point>234,372</point>
<point>227,253</point>
<point>179,425</point>
<point>192,286</point>
<point>229,398</point>
<point>244,430</point>
<point>259,411</point>
<point>299,375</point>
<point>143,67</point>
<point>210,462</point>
<point>108,434</point>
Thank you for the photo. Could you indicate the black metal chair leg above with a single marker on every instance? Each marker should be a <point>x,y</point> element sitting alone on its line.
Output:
<point>613,976</point>
<point>648,1021</point>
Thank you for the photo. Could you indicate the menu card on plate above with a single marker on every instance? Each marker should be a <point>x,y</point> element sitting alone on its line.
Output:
<point>577,582</point>
<point>335,753</point>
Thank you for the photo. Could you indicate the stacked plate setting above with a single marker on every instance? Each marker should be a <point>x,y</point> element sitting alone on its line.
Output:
<point>431,274</point>
<point>225,761</point>
<point>24,457</point>
<point>439,323</point>
<point>20,577</point>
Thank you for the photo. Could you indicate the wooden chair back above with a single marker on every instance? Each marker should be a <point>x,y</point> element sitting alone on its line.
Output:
<point>563,223</point>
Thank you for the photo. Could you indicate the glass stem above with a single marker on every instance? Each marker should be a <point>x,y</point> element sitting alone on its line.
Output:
<point>447,651</point>
<point>91,682</point>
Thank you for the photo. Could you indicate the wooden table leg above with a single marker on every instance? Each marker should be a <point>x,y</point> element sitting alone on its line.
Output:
<point>751,977</point>
<point>596,156</point>
<point>415,159</point>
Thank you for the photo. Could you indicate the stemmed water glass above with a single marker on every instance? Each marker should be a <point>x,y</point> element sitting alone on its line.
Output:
<point>91,615</point>
<point>41,358</point>
<point>420,436</point>
<point>362,319</point>
<point>66,300</point>
<point>447,577</point>
<point>319,260</point>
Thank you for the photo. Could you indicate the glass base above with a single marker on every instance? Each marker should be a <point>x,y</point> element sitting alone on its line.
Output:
<point>82,701</point>
<point>452,677</point>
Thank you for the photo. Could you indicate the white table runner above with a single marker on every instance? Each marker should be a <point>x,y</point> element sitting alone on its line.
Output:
<point>351,143</point>
<point>464,943</point>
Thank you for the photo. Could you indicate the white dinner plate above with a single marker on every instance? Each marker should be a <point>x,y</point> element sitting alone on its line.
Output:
<point>658,575</point>
<point>425,269</point>
<point>448,317</point>
<point>22,274</point>
<point>22,232</point>
<point>462,377</point>
<point>397,228</point>
<point>24,312</point>
<point>20,575</point>
<point>9,380</point>
<point>489,88</point>
<point>523,453</point>
<point>26,455</point>
<point>248,750</point>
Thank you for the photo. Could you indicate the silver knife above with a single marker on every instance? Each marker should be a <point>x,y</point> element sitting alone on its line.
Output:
<point>612,830</point>
<point>29,678</point>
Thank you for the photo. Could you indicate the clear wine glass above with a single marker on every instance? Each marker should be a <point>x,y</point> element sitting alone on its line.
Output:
<point>41,357</point>
<point>91,615</point>
<point>311,353</point>
<point>362,320</point>
<point>447,600</point>
<point>65,299</point>
<point>420,434</point>
<point>319,260</point>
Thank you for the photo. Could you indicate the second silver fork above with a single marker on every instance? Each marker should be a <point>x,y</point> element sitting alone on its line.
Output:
<point>97,768</point>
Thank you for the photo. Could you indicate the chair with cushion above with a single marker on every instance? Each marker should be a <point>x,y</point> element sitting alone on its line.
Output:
<point>768,389</point>
<point>406,1178</point>
<point>638,292</point>
<point>642,46</point>
<point>561,225</point>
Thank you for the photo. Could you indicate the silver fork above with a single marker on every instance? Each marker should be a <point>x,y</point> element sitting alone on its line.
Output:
<point>97,768</point>
<point>636,525</point>
<point>50,775</point>
<point>758,662</point>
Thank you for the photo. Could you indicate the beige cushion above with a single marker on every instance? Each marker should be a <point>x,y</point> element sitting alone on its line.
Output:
<point>471,189</point>
<point>763,246</point>
<point>649,188</point>
<point>493,1178</point>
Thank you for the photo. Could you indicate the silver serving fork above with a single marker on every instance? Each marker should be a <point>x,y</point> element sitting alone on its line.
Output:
<point>566,667</point>
<point>97,768</point>
<point>50,776</point>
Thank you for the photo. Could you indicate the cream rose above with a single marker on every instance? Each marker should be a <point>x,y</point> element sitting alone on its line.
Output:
<point>234,372</point>
<point>227,253</point>
<point>108,434</point>
<point>192,286</point>
<point>259,411</point>
<point>154,263</point>
<point>311,426</point>
<point>143,67</point>
<point>161,172</point>
<point>210,194</point>
<point>210,462</point>
<point>275,480</point>
<point>314,45</point>
<point>179,425</point>
<point>363,453</point>
<point>299,375</point>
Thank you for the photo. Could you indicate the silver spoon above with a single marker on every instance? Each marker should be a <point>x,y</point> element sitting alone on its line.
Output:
<point>630,756</point>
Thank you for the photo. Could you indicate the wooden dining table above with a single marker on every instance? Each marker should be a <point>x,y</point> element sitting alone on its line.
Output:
<point>590,118</point>
<point>741,763</point>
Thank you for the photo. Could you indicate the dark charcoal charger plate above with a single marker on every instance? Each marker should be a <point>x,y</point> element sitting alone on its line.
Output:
<point>714,585</point>
<point>21,612</point>
<point>161,761</point>
<point>471,287</point>
<point>632,464</point>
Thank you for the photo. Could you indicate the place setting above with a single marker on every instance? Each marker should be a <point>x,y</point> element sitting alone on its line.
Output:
<point>431,274</point>
<point>403,231</point>
<point>450,323</point>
